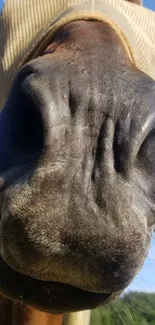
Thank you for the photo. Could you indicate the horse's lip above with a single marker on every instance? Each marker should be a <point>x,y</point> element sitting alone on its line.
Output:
<point>47,296</point>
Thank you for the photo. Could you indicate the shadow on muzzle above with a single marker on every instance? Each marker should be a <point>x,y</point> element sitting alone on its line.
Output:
<point>21,133</point>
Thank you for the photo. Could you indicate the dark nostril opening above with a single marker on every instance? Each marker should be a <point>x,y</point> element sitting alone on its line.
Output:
<point>72,104</point>
<point>117,148</point>
<point>121,147</point>
<point>21,131</point>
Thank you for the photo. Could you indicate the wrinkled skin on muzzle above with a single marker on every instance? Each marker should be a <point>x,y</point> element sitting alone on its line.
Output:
<point>76,173</point>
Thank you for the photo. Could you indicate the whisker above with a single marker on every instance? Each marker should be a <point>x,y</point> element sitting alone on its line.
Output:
<point>138,286</point>
<point>141,279</point>
<point>125,309</point>
<point>119,315</point>
<point>135,307</point>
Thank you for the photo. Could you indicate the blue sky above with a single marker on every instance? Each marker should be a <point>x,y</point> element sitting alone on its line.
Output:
<point>149,4</point>
<point>145,280</point>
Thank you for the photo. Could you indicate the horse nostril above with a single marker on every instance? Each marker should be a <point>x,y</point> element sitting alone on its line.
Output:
<point>21,130</point>
<point>129,136</point>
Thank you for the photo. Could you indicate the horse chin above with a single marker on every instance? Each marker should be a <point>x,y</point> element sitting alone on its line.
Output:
<point>47,296</point>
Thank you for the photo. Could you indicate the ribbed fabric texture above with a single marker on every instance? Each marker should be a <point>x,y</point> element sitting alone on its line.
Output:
<point>23,23</point>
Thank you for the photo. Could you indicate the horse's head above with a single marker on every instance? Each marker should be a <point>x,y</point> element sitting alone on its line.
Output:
<point>77,172</point>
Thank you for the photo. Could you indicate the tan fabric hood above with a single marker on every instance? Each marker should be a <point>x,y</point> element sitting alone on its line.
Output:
<point>24,24</point>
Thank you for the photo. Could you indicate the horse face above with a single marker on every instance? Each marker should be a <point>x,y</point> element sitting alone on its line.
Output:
<point>77,173</point>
